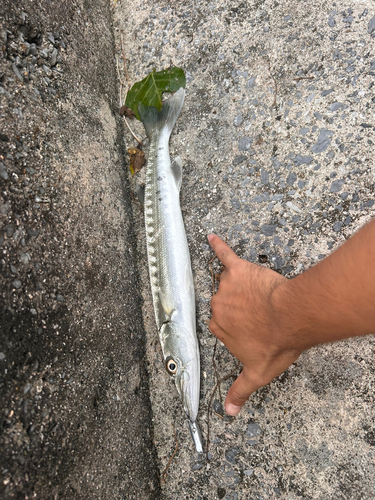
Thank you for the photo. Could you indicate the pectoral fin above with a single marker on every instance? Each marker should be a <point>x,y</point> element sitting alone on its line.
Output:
<point>176,168</point>
<point>164,313</point>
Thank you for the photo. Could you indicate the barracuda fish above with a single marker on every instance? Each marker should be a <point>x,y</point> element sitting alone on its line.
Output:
<point>169,259</point>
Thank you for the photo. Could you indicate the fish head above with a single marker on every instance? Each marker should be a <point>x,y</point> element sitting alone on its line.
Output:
<point>181,355</point>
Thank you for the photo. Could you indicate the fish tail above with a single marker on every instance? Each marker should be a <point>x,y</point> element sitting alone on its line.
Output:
<point>165,119</point>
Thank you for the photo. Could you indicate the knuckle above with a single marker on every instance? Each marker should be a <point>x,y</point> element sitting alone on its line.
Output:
<point>213,327</point>
<point>215,305</point>
<point>258,380</point>
<point>238,397</point>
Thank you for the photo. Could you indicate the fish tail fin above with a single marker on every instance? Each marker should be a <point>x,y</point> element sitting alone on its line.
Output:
<point>165,119</point>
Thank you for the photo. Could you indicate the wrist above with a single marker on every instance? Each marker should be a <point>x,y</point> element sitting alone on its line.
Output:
<point>292,318</point>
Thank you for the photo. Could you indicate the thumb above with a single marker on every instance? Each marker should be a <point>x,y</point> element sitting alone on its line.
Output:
<point>239,393</point>
<point>224,253</point>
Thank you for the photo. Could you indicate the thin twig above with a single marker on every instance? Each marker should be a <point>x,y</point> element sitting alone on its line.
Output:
<point>119,79</point>
<point>215,370</point>
<point>275,83</point>
<point>126,123</point>
<point>174,453</point>
<point>212,274</point>
<point>304,78</point>
<point>124,58</point>
<point>212,397</point>
<point>132,133</point>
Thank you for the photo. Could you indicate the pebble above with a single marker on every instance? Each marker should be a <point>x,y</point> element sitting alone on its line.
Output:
<point>248,472</point>
<point>337,226</point>
<point>291,179</point>
<point>17,284</point>
<point>239,159</point>
<point>253,430</point>
<point>268,229</point>
<point>293,207</point>
<point>9,230</point>
<point>2,356</point>
<point>26,388</point>
<point>251,82</point>
<point>277,261</point>
<point>264,177</point>
<point>196,466</point>
<point>47,70</point>
<point>303,160</point>
<point>235,203</point>
<point>3,173</point>
<point>218,407</point>
<point>252,442</point>
<point>244,143</point>
<point>324,140</point>
<point>238,120</point>
<point>53,59</point>
<point>336,186</point>
<point>335,106</point>
<point>17,73</point>
<point>33,49</point>
<point>231,453</point>
<point>221,492</point>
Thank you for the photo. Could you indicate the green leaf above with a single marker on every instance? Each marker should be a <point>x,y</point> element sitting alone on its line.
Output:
<point>149,90</point>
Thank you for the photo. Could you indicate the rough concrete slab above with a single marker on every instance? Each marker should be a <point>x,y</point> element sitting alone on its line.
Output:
<point>276,139</point>
<point>74,405</point>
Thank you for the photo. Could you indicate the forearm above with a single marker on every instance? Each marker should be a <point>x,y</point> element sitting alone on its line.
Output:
<point>333,300</point>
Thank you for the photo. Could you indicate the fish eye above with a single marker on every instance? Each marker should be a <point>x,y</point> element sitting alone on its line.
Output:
<point>171,366</point>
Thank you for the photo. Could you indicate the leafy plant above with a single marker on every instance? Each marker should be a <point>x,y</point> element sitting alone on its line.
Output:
<point>149,91</point>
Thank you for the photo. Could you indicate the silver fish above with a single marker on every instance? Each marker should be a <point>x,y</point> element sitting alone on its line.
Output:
<point>169,259</point>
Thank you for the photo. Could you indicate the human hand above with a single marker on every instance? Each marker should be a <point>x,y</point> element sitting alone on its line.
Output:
<point>245,319</point>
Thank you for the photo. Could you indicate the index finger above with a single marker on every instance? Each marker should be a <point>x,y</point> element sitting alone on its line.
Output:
<point>224,253</point>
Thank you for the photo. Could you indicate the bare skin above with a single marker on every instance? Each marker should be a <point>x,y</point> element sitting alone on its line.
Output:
<point>266,320</point>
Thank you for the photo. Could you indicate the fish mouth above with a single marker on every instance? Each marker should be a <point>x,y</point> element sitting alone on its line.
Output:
<point>190,398</point>
<point>197,436</point>
<point>188,394</point>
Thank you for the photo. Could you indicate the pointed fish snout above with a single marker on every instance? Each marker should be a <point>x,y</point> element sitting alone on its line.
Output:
<point>189,393</point>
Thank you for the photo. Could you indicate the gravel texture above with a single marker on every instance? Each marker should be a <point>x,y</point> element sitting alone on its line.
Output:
<point>74,406</point>
<point>276,138</point>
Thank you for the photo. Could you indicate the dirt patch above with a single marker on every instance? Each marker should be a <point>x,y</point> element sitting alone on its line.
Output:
<point>75,413</point>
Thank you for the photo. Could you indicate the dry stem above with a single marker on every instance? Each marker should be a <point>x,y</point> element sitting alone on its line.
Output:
<point>124,58</point>
<point>219,381</point>
<point>174,453</point>
<point>126,123</point>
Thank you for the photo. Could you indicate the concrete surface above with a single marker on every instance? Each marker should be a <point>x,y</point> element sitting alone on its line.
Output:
<point>74,405</point>
<point>276,139</point>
